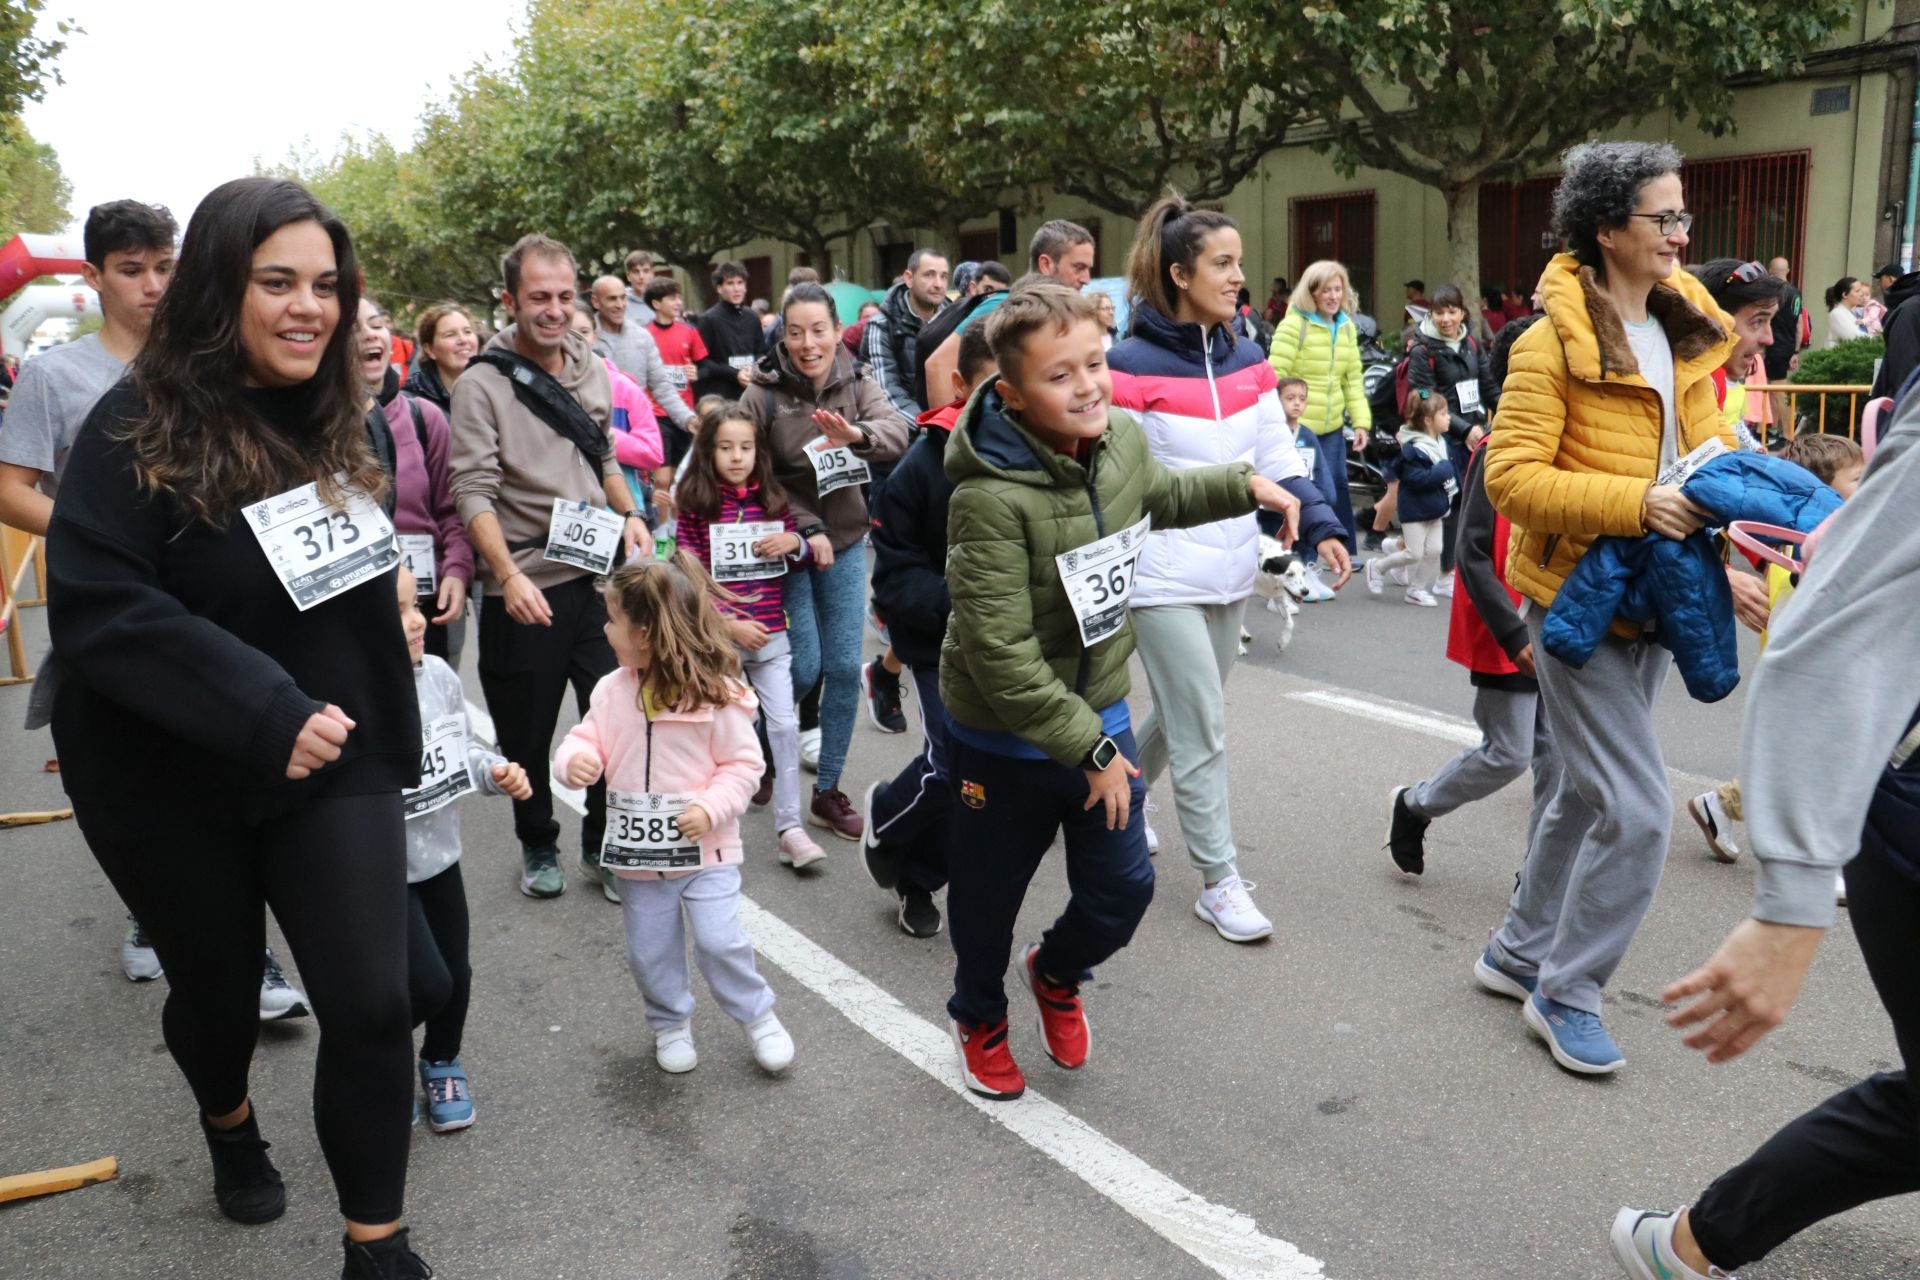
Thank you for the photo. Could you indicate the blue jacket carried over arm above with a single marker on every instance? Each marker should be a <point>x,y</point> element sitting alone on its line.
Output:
<point>1682,585</point>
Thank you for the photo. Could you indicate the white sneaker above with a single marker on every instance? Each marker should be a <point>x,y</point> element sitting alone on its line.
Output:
<point>137,959</point>
<point>1229,909</point>
<point>772,1046</point>
<point>1444,587</point>
<point>1711,817</point>
<point>1317,590</point>
<point>1416,596</point>
<point>1153,839</point>
<point>810,749</point>
<point>1375,583</point>
<point>279,998</point>
<point>798,849</point>
<point>1840,889</point>
<point>1246,638</point>
<point>673,1049</point>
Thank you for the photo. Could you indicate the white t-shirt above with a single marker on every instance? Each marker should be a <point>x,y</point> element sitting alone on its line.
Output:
<point>1650,348</point>
<point>55,393</point>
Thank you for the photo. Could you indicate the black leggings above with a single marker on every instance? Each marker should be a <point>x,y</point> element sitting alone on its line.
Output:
<point>1861,1144</point>
<point>437,970</point>
<point>334,873</point>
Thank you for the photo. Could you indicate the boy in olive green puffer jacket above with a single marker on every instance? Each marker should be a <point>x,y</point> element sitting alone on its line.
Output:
<point>1054,495</point>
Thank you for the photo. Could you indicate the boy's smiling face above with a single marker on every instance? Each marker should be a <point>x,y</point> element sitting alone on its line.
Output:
<point>1063,387</point>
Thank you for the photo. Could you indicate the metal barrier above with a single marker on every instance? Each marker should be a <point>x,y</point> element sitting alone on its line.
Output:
<point>1824,411</point>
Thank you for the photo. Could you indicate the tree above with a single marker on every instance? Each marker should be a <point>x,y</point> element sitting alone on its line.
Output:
<point>26,63</point>
<point>1108,100</point>
<point>33,190</point>
<point>1454,96</point>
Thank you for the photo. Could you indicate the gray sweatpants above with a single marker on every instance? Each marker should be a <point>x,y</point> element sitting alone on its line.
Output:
<point>657,945</point>
<point>1188,649</point>
<point>1598,851</point>
<point>1513,736</point>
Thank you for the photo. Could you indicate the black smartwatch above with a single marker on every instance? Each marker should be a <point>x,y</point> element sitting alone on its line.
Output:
<point>1101,756</point>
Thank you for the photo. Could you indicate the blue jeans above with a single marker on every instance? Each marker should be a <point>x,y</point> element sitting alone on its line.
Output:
<point>824,610</point>
<point>1330,477</point>
<point>1004,819</point>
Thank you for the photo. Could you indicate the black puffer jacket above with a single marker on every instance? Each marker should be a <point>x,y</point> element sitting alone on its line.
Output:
<point>910,543</point>
<point>1902,332</point>
<point>728,331</point>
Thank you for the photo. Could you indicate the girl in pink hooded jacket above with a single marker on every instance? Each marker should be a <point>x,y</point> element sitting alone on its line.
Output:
<point>671,731</point>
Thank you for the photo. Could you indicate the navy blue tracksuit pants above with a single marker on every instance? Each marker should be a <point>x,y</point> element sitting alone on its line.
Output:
<point>913,814</point>
<point>1006,813</point>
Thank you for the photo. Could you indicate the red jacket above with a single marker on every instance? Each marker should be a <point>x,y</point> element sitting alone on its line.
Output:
<point>1469,642</point>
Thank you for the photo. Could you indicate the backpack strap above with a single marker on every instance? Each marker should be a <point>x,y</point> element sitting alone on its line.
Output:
<point>419,421</point>
<point>381,438</point>
<point>543,396</point>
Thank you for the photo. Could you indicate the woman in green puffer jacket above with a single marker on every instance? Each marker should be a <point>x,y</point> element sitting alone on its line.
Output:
<point>1317,343</point>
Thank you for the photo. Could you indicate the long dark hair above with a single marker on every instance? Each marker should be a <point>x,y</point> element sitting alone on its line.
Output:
<point>698,491</point>
<point>199,439</point>
<point>1171,234</point>
<point>1838,292</point>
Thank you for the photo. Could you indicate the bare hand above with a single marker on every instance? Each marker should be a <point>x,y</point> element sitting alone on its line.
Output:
<point>1749,599</point>
<point>1109,787</point>
<point>1274,498</point>
<point>1358,439</point>
<point>748,634</point>
<point>512,779</point>
<point>779,544</point>
<point>583,770</point>
<point>695,822</point>
<point>452,601</point>
<point>1744,990</point>
<point>746,377</point>
<point>1475,436</point>
<point>822,551</point>
<point>836,428</point>
<point>319,742</point>
<point>634,534</point>
<point>526,603</point>
<point>1668,512</point>
<point>1333,555</point>
<point>1524,661</point>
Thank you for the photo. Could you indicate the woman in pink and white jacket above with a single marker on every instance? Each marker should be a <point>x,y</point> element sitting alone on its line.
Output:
<point>671,731</point>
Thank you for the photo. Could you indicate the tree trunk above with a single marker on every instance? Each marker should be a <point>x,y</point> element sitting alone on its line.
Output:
<point>1463,244</point>
<point>699,270</point>
<point>819,251</point>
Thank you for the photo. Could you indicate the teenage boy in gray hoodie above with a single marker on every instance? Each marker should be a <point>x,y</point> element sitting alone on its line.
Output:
<point>1830,758</point>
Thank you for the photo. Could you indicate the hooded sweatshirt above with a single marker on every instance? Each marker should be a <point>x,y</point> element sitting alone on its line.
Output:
<point>782,403</point>
<point>508,461</point>
<point>433,839</point>
<point>423,492</point>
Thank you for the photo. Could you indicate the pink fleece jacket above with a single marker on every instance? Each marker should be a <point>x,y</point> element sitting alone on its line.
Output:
<point>636,433</point>
<point>710,753</point>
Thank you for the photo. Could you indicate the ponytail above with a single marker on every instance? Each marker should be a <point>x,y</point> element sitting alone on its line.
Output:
<point>1170,235</point>
<point>1840,289</point>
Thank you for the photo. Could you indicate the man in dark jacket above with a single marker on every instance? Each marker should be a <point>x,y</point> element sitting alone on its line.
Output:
<point>731,330</point>
<point>893,335</point>
<point>1901,329</point>
<point>909,819</point>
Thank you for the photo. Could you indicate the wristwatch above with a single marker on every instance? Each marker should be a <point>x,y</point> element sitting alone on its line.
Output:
<point>1101,756</point>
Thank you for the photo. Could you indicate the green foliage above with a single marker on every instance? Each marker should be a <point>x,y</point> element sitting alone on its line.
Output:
<point>1847,363</point>
<point>26,63</point>
<point>33,190</point>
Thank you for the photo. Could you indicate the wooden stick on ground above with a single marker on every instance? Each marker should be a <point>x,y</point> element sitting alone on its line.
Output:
<point>30,819</point>
<point>22,1186</point>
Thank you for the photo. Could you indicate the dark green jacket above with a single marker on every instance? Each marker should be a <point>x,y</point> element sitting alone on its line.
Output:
<point>1012,660</point>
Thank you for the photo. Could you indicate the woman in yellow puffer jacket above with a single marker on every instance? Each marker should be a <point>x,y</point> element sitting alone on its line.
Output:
<point>1598,401</point>
<point>1316,342</point>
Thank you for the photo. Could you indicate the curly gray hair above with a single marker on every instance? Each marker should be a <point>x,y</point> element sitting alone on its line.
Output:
<point>1600,185</point>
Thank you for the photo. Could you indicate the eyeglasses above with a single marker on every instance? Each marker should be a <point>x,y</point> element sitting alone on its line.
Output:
<point>1748,273</point>
<point>1669,221</point>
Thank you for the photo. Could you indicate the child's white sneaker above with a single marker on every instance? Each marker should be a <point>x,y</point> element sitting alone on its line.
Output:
<point>1229,909</point>
<point>772,1046</point>
<point>673,1049</point>
<point>1444,587</point>
<point>1416,596</point>
<point>1375,583</point>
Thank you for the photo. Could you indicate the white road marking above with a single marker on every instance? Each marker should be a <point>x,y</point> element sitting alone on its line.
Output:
<point>1406,715</point>
<point>1227,1242</point>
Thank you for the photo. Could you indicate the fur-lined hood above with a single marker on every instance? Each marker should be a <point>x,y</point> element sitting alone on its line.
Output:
<point>1595,338</point>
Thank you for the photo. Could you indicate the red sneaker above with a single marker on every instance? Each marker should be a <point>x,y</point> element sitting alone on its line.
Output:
<point>986,1064</point>
<point>831,809</point>
<point>1063,1023</point>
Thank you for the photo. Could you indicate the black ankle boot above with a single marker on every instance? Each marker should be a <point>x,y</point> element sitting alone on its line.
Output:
<point>388,1259</point>
<point>245,1183</point>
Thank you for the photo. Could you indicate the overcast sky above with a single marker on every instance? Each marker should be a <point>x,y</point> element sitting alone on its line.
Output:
<point>165,101</point>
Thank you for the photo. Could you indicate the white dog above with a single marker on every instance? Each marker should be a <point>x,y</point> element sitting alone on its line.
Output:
<point>1281,579</point>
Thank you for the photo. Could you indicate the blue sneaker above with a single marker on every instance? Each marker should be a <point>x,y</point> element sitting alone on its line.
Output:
<point>1500,980</point>
<point>1574,1036</point>
<point>449,1103</point>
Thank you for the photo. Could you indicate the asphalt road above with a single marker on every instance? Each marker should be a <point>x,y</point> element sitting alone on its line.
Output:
<point>1344,1085</point>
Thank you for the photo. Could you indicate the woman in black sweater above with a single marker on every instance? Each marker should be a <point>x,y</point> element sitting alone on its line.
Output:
<point>237,718</point>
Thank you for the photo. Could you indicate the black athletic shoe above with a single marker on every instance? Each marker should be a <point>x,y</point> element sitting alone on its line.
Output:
<point>919,918</point>
<point>1407,835</point>
<point>883,698</point>
<point>389,1259</point>
<point>245,1184</point>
